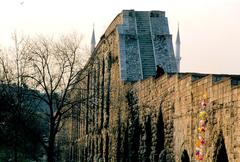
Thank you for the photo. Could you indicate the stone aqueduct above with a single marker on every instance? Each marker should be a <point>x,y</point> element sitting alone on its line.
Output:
<point>128,115</point>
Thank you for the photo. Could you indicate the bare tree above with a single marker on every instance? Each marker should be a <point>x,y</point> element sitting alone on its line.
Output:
<point>16,101</point>
<point>54,67</point>
<point>51,66</point>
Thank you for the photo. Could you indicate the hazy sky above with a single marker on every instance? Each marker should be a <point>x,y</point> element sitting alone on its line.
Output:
<point>209,29</point>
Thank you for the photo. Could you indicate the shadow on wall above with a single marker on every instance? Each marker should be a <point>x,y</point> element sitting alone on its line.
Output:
<point>160,134</point>
<point>132,132</point>
<point>185,157</point>
<point>220,154</point>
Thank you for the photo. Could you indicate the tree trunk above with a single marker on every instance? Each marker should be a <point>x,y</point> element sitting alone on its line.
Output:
<point>15,142</point>
<point>51,147</point>
<point>50,153</point>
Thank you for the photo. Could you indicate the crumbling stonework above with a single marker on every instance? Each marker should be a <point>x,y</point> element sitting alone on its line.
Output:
<point>151,119</point>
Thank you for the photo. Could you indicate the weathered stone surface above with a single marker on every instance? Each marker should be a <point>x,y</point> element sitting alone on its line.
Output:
<point>144,42</point>
<point>151,119</point>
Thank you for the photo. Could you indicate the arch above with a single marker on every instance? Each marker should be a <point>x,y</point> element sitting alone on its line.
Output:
<point>160,134</point>
<point>148,141</point>
<point>119,138</point>
<point>133,134</point>
<point>93,150</point>
<point>125,145</point>
<point>106,148</point>
<point>101,147</point>
<point>102,94</point>
<point>220,152</point>
<point>185,157</point>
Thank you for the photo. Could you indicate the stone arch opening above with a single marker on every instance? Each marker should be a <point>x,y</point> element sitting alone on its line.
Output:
<point>119,139</point>
<point>125,145</point>
<point>220,152</point>
<point>185,157</point>
<point>82,153</point>
<point>93,150</point>
<point>108,90</point>
<point>148,141</point>
<point>101,147</point>
<point>160,134</point>
<point>106,148</point>
<point>102,94</point>
<point>133,134</point>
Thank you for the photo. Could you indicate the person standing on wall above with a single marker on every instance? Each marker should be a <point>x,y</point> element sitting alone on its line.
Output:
<point>159,72</point>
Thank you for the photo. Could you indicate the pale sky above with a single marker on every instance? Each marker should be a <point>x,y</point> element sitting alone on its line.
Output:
<point>209,29</point>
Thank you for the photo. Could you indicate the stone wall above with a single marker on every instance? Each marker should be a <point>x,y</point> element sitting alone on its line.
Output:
<point>158,118</point>
<point>150,119</point>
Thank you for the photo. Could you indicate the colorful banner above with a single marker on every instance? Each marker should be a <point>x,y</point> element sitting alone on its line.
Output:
<point>201,131</point>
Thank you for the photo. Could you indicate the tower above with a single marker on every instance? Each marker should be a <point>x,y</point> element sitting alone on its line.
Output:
<point>144,43</point>
<point>177,51</point>
<point>93,42</point>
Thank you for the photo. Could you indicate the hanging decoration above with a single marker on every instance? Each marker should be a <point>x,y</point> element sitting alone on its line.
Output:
<point>201,131</point>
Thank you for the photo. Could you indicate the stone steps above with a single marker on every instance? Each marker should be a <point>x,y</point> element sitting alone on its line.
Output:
<point>145,44</point>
